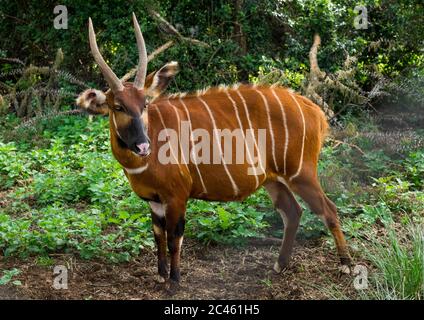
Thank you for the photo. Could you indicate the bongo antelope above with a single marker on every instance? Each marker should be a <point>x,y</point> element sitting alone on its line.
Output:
<point>294,127</point>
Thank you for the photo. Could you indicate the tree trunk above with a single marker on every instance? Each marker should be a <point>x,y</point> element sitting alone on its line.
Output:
<point>238,33</point>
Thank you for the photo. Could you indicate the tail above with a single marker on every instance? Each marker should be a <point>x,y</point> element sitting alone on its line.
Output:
<point>324,128</point>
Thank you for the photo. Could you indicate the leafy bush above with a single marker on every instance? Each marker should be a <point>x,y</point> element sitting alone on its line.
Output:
<point>414,167</point>
<point>245,41</point>
<point>8,275</point>
<point>53,229</point>
<point>229,223</point>
<point>10,171</point>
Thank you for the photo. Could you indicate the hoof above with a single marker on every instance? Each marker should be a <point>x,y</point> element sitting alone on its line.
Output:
<point>278,268</point>
<point>173,287</point>
<point>159,279</point>
<point>345,269</point>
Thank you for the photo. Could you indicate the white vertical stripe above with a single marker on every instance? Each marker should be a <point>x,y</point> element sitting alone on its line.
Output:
<point>244,136</point>
<point>286,143</point>
<point>116,126</point>
<point>303,139</point>
<point>251,130</point>
<point>271,129</point>
<point>192,149</point>
<point>235,188</point>
<point>164,126</point>
<point>179,143</point>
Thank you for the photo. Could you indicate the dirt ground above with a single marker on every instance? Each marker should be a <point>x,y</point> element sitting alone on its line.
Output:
<point>207,273</point>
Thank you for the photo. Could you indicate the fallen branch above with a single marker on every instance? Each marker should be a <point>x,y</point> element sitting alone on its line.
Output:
<point>14,18</point>
<point>339,142</point>
<point>13,60</point>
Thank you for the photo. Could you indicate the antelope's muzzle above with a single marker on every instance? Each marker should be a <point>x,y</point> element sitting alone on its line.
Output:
<point>143,149</point>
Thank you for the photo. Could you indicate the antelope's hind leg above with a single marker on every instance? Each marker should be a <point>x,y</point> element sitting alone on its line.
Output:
<point>290,212</point>
<point>311,192</point>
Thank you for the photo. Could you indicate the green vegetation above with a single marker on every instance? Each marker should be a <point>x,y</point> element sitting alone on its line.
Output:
<point>73,195</point>
<point>399,262</point>
<point>245,39</point>
<point>8,275</point>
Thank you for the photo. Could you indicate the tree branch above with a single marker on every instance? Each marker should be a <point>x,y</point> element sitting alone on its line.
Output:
<point>13,60</point>
<point>315,75</point>
<point>151,56</point>
<point>172,30</point>
<point>313,60</point>
<point>339,142</point>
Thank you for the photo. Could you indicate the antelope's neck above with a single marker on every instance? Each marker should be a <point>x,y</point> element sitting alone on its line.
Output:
<point>124,156</point>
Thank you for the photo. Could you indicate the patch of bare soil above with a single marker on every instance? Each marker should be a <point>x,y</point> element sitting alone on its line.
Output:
<point>11,293</point>
<point>207,273</point>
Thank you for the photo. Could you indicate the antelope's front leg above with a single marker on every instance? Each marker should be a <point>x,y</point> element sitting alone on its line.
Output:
<point>159,231</point>
<point>175,224</point>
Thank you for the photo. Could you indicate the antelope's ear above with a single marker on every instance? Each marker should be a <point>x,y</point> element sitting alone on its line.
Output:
<point>93,101</point>
<point>158,81</point>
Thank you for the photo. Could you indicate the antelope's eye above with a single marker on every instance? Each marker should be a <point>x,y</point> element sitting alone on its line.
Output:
<point>118,107</point>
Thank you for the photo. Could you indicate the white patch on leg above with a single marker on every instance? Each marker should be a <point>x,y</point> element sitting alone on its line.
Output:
<point>157,230</point>
<point>283,181</point>
<point>158,209</point>
<point>283,216</point>
<point>180,243</point>
<point>344,269</point>
<point>159,279</point>
<point>277,267</point>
